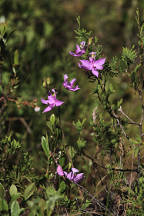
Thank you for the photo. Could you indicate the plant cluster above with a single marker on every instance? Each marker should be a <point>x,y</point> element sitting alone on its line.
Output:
<point>107,151</point>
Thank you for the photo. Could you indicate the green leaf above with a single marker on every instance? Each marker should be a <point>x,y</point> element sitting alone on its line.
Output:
<point>14,193</point>
<point>2,191</point>
<point>29,191</point>
<point>49,125</point>
<point>42,205</point>
<point>52,119</point>
<point>16,58</point>
<point>45,145</point>
<point>119,103</point>
<point>81,143</point>
<point>79,124</point>
<point>13,190</point>
<point>78,21</point>
<point>15,208</point>
<point>62,187</point>
<point>86,204</point>
<point>71,151</point>
<point>52,197</point>
<point>129,53</point>
<point>48,29</point>
<point>3,205</point>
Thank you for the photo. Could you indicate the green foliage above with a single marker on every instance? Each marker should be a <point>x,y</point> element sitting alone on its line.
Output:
<point>15,208</point>
<point>15,163</point>
<point>79,125</point>
<point>14,193</point>
<point>128,55</point>
<point>81,33</point>
<point>106,135</point>
<point>98,130</point>
<point>29,191</point>
<point>52,196</point>
<point>45,146</point>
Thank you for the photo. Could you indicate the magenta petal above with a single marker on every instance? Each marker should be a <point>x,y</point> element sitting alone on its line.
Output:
<point>53,90</point>
<point>69,85</point>
<point>72,82</point>
<point>92,53</point>
<point>81,53</point>
<point>47,109</point>
<point>44,101</point>
<point>65,77</point>
<point>98,63</point>
<point>85,64</point>
<point>78,177</point>
<point>78,50</point>
<point>60,171</point>
<point>51,99</point>
<point>78,54</point>
<point>95,72</point>
<point>79,65</point>
<point>74,89</point>
<point>72,53</point>
<point>70,176</point>
<point>58,102</point>
<point>74,170</point>
<point>66,85</point>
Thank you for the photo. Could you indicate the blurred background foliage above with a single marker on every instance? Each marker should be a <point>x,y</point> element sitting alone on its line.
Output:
<point>42,35</point>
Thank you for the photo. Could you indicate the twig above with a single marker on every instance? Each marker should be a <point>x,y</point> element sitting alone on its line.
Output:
<point>119,123</point>
<point>90,195</point>
<point>113,169</point>
<point>100,204</point>
<point>22,120</point>
<point>140,130</point>
<point>130,120</point>
<point>110,111</point>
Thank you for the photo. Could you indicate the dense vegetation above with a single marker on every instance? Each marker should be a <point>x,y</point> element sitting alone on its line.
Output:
<point>71,148</point>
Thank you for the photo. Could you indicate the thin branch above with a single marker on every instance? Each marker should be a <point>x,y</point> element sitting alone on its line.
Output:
<point>140,129</point>
<point>92,196</point>
<point>130,120</point>
<point>98,203</point>
<point>119,123</point>
<point>113,169</point>
<point>22,120</point>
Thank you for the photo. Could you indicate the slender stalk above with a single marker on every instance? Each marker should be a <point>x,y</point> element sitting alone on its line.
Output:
<point>140,130</point>
<point>130,120</point>
<point>113,169</point>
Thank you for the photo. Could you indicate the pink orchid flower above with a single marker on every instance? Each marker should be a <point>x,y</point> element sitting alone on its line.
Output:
<point>92,64</point>
<point>79,50</point>
<point>52,101</point>
<point>72,176</point>
<point>69,85</point>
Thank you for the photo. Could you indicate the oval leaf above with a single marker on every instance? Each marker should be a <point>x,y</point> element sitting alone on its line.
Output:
<point>15,209</point>
<point>2,191</point>
<point>45,145</point>
<point>13,190</point>
<point>29,191</point>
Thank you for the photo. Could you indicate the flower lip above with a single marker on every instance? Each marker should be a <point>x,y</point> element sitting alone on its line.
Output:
<point>93,55</point>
